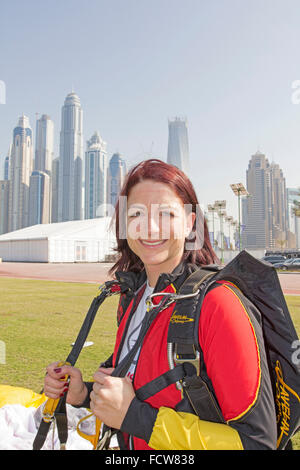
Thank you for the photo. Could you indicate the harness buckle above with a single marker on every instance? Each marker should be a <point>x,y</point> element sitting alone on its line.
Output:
<point>192,356</point>
<point>172,298</point>
<point>151,305</point>
<point>111,288</point>
<point>188,353</point>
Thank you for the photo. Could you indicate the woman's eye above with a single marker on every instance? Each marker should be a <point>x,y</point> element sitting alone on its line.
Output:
<point>166,213</point>
<point>134,214</point>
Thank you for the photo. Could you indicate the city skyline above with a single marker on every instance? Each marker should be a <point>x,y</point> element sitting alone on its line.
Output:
<point>26,197</point>
<point>230,68</point>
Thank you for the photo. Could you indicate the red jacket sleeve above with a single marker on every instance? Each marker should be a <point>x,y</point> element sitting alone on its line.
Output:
<point>230,351</point>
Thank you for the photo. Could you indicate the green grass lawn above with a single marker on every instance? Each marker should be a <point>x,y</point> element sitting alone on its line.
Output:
<point>40,319</point>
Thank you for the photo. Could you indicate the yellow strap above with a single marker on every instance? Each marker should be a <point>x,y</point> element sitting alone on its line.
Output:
<point>184,431</point>
<point>93,438</point>
<point>51,405</point>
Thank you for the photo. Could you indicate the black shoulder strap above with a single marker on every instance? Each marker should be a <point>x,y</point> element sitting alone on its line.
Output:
<point>183,319</point>
<point>194,280</point>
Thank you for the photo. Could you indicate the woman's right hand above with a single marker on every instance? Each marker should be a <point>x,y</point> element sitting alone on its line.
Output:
<point>55,387</point>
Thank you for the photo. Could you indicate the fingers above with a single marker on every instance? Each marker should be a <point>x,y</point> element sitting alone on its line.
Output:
<point>57,380</point>
<point>59,372</point>
<point>106,370</point>
<point>54,388</point>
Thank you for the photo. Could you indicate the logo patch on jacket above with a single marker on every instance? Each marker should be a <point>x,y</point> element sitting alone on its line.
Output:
<point>176,318</point>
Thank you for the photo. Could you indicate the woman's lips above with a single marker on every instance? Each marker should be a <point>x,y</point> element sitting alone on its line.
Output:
<point>152,243</point>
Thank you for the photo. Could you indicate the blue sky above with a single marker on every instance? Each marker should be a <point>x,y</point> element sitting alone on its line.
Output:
<point>226,65</point>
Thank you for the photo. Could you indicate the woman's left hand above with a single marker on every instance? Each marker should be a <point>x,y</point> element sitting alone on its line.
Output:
<point>111,397</point>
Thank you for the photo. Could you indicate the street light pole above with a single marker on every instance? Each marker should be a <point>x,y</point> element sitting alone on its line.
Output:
<point>229,220</point>
<point>220,206</point>
<point>239,190</point>
<point>212,209</point>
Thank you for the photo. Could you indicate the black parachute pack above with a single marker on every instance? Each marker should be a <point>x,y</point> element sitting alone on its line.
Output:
<point>257,281</point>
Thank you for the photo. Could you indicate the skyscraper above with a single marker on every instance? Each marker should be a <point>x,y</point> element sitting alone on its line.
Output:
<point>258,233</point>
<point>54,190</point>
<point>4,198</point>
<point>178,145</point>
<point>116,175</point>
<point>95,177</point>
<point>6,163</point>
<point>42,166</point>
<point>265,211</point>
<point>39,198</point>
<point>279,216</point>
<point>21,166</point>
<point>44,144</point>
<point>70,161</point>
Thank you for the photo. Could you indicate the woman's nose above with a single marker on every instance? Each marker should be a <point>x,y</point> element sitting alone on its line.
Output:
<point>153,226</point>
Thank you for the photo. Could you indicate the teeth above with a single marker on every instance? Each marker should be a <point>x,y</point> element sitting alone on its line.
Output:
<point>152,243</point>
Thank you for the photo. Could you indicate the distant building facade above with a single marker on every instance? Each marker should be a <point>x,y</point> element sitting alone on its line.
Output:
<point>44,151</point>
<point>178,144</point>
<point>265,210</point>
<point>44,146</point>
<point>39,198</point>
<point>116,175</point>
<point>4,198</point>
<point>6,163</point>
<point>70,204</point>
<point>95,177</point>
<point>21,165</point>
<point>54,190</point>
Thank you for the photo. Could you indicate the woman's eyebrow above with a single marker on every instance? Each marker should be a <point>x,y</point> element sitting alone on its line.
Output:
<point>136,204</point>
<point>170,206</point>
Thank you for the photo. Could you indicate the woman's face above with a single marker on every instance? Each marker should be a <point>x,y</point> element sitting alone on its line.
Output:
<point>157,224</point>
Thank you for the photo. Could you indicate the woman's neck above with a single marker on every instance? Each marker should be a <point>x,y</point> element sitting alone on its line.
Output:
<point>154,271</point>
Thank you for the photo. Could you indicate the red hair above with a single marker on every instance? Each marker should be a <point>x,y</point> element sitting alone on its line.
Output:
<point>159,171</point>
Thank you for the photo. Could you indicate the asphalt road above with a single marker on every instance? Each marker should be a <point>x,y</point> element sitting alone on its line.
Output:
<point>98,273</point>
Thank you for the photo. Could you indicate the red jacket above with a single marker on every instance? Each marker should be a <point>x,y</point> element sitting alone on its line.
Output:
<point>235,362</point>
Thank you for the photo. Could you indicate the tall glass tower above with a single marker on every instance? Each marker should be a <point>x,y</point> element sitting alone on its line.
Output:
<point>70,161</point>
<point>116,175</point>
<point>95,177</point>
<point>41,183</point>
<point>178,144</point>
<point>44,143</point>
<point>21,165</point>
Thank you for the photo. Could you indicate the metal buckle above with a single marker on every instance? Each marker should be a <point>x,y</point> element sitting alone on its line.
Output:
<point>151,305</point>
<point>173,360</point>
<point>195,361</point>
<point>172,298</point>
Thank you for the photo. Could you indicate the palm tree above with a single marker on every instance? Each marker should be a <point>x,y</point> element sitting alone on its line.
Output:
<point>296,207</point>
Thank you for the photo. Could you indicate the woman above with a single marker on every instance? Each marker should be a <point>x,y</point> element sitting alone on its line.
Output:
<point>166,240</point>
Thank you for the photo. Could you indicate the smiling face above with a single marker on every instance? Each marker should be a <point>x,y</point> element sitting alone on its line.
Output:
<point>157,225</point>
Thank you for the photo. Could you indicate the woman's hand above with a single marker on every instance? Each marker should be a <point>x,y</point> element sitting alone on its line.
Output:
<point>111,397</point>
<point>55,387</point>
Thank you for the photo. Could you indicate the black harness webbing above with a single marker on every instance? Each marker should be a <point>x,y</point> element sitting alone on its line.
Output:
<point>60,413</point>
<point>120,370</point>
<point>168,378</point>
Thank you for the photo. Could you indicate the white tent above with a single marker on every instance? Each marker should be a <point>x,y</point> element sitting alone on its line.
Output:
<point>64,242</point>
